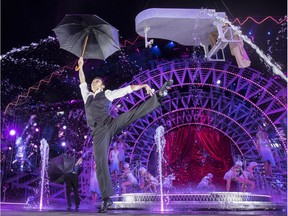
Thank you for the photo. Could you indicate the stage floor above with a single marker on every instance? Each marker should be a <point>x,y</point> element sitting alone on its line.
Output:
<point>206,204</point>
<point>12,212</point>
<point>21,209</point>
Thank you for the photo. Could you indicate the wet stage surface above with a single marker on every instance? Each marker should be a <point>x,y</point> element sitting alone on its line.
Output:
<point>22,210</point>
<point>206,204</point>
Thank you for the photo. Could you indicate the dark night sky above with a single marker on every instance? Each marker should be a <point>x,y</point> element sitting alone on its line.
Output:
<point>27,21</point>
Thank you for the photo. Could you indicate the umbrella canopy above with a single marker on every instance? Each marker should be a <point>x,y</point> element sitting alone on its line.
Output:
<point>88,36</point>
<point>60,165</point>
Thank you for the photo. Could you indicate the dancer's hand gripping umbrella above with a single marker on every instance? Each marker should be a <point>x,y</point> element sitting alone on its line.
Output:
<point>87,36</point>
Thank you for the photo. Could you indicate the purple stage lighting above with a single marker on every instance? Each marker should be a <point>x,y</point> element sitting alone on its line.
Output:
<point>12,132</point>
<point>63,144</point>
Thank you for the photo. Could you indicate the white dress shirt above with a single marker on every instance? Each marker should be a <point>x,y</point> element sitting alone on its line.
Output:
<point>110,95</point>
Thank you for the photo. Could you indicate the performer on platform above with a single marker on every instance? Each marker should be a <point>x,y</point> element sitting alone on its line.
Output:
<point>249,174</point>
<point>238,51</point>
<point>168,183</point>
<point>94,185</point>
<point>121,149</point>
<point>264,150</point>
<point>130,178</point>
<point>206,183</point>
<point>147,180</point>
<point>114,162</point>
<point>236,48</point>
<point>234,175</point>
<point>104,127</point>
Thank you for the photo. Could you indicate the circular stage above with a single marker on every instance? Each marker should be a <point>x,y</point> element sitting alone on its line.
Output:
<point>195,201</point>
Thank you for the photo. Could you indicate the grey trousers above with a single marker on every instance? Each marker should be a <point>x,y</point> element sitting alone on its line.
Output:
<point>102,138</point>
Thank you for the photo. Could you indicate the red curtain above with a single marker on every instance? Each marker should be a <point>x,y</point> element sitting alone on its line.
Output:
<point>192,152</point>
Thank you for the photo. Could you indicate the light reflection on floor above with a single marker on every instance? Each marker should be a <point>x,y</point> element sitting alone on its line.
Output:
<point>12,209</point>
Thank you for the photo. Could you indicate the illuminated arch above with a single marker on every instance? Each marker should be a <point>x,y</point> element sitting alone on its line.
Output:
<point>244,96</point>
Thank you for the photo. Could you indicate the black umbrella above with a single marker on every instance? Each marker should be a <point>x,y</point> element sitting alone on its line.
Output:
<point>59,166</point>
<point>88,36</point>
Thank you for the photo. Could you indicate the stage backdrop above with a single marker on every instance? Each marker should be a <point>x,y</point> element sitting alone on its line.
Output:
<point>191,152</point>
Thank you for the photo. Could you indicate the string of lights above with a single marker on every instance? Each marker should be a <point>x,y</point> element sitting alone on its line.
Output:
<point>237,20</point>
<point>22,97</point>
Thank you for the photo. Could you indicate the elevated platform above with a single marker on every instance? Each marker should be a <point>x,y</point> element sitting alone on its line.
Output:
<point>195,201</point>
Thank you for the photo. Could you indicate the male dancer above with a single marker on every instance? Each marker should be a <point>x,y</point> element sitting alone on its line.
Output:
<point>104,127</point>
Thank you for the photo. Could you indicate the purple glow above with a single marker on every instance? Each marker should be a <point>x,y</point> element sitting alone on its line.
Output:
<point>63,144</point>
<point>232,91</point>
<point>12,132</point>
<point>37,129</point>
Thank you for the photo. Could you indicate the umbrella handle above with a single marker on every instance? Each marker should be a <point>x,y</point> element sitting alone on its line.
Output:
<point>77,68</point>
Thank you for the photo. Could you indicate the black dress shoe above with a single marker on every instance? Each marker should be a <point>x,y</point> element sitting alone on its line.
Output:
<point>106,203</point>
<point>164,89</point>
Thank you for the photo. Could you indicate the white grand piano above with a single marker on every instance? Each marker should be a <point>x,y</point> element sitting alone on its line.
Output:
<point>189,27</point>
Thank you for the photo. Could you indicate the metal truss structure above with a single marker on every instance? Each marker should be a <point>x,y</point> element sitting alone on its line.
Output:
<point>243,100</point>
